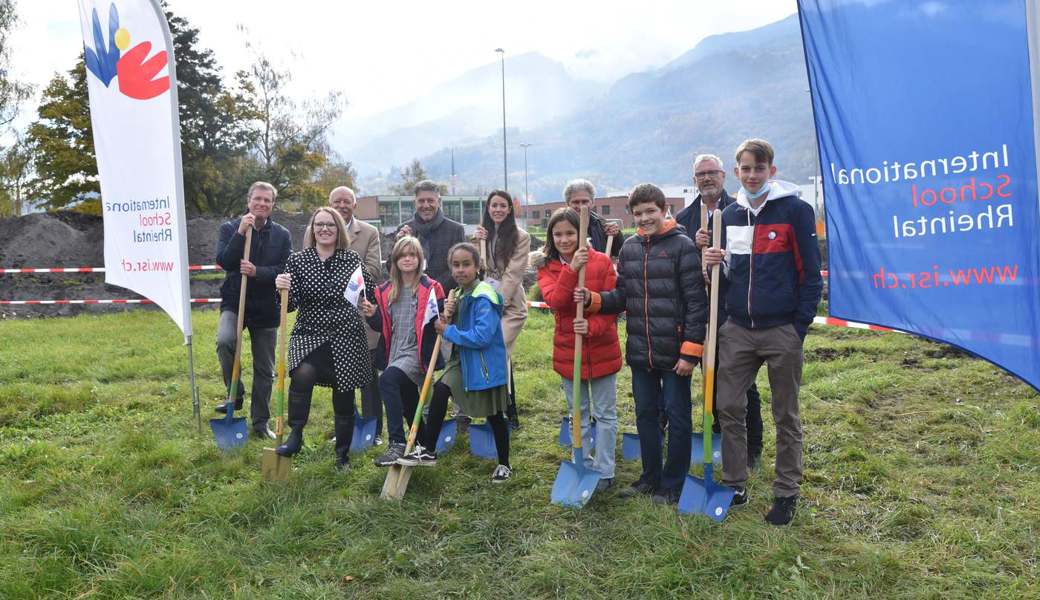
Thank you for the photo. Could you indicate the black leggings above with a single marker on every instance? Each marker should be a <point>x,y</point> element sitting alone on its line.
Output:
<point>439,406</point>
<point>317,368</point>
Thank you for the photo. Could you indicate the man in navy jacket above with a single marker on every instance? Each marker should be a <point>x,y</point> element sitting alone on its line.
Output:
<point>772,286</point>
<point>270,246</point>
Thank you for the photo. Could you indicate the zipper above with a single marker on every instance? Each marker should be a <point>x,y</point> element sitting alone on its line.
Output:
<point>751,269</point>
<point>484,368</point>
<point>646,305</point>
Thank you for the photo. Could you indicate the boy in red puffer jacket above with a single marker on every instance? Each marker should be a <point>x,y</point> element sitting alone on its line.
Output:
<point>558,265</point>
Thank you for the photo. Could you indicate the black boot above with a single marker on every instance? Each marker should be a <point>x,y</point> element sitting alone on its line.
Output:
<point>344,425</point>
<point>299,411</point>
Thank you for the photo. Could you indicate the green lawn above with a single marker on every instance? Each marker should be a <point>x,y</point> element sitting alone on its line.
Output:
<point>922,480</point>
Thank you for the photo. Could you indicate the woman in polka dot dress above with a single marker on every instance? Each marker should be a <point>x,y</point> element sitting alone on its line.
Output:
<point>328,346</point>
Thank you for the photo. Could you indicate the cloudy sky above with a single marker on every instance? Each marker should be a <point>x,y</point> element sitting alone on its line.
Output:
<point>383,54</point>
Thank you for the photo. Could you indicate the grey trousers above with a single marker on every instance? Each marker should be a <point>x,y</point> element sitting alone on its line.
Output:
<point>262,341</point>
<point>741,353</point>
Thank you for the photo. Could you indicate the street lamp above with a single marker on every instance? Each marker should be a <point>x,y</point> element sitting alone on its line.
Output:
<point>505,167</point>
<point>527,197</point>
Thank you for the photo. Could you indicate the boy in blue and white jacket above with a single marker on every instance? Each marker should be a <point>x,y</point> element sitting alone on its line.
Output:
<point>771,287</point>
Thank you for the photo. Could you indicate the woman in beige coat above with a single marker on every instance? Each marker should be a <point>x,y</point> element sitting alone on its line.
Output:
<point>505,248</point>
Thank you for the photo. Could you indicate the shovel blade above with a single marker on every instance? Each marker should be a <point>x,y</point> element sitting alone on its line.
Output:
<point>630,446</point>
<point>482,441</point>
<point>565,432</point>
<point>229,432</point>
<point>697,450</point>
<point>273,466</point>
<point>701,496</point>
<point>446,439</point>
<point>364,434</point>
<point>396,482</point>
<point>574,485</point>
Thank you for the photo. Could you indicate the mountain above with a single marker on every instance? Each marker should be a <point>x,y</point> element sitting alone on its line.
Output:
<point>466,108</point>
<point>649,125</point>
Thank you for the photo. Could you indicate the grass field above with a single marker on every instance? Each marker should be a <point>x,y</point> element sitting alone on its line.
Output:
<point>922,480</point>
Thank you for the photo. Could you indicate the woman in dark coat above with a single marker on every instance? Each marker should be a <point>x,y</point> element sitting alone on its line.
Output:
<point>328,346</point>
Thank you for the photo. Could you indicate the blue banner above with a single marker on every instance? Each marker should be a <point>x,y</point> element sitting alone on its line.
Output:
<point>924,118</point>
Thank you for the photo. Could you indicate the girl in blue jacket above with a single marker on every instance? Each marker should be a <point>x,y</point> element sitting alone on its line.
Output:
<point>475,376</point>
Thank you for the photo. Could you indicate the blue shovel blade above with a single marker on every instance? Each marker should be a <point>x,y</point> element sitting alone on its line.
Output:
<point>482,441</point>
<point>446,439</point>
<point>565,434</point>
<point>704,496</point>
<point>574,485</point>
<point>229,432</point>
<point>630,446</point>
<point>364,433</point>
<point>697,450</point>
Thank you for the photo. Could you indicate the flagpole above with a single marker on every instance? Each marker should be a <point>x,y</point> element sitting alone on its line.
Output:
<point>1033,36</point>
<point>182,216</point>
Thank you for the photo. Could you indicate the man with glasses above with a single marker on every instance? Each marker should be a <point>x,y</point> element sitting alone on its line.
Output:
<point>363,239</point>
<point>270,246</point>
<point>709,177</point>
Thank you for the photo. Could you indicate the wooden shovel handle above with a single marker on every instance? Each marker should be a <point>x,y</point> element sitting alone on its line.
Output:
<point>236,370</point>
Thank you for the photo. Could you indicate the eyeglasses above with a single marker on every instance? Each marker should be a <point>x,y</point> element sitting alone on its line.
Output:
<point>324,226</point>
<point>704,174</point>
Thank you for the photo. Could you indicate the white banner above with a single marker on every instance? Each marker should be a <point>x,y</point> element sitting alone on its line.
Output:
<point>133,109</point>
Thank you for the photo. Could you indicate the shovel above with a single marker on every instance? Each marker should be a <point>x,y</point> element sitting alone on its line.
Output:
<point>396,483</point>
<point>446,438</point>
<point>364,433</point>
<point>704,496</point>
<point>565,423</point>
<point>575,483</point>
<point>273,466</point>
<point>230,432</point>
<point>482,441</point>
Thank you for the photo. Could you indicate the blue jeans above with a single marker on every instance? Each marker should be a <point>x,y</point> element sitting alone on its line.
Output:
<point>604,410</point>
<point>653,389</point>
<point>397,390</point>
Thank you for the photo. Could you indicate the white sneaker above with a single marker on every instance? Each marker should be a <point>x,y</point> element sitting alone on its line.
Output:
<point>502,473</point>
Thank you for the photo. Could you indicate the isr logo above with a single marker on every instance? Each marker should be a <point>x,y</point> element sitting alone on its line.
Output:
<point>134,69</point>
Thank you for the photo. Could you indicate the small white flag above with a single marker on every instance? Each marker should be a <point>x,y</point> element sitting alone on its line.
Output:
<point>355,287</point>
<point>432,312</point>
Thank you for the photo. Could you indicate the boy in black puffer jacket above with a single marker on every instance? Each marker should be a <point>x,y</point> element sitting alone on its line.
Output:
<point>660,288</point>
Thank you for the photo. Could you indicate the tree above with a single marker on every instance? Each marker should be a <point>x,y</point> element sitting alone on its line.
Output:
<point>333,174</point>
<point>12,93</point>
<point>15,167</point>
<point>288,140</point>
<point>62,143</point>
<point>413,174</point>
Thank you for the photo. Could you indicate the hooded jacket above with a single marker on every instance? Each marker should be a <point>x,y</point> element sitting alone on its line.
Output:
<point>601,350</point>
<point>425,333</point>
<point>477,332</point>
<point>771,272</point>
<point>661,290</point>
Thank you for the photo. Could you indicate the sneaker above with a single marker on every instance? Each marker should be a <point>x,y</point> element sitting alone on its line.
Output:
<point>604,484</point>
<point>502,473</point>
<point>389,458</point>
<point>342,463</point>
<point>638,488</point>
<point>782,511</point>
<point>663,497</point>
<point>419,457</point>
<point>740,497</point>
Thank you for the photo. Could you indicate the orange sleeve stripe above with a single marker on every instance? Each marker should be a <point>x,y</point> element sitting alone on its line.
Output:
<point>691,349</point>
<point>595,304</point>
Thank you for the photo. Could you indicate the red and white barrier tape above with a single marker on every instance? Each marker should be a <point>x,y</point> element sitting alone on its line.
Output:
<point>93,269</point>
<point>115,301</point>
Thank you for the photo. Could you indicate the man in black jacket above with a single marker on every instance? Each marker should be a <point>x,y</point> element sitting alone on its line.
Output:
<point>659,287</point>
<point>269,248</point>
<point>709,176</point>
<point>581,192</point>
<point>436,232</point>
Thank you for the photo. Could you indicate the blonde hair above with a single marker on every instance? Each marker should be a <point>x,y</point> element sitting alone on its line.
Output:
<point>341,229</point>
<point>405,245</point>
